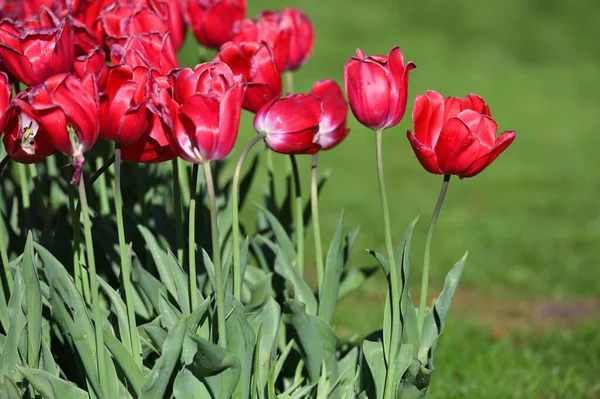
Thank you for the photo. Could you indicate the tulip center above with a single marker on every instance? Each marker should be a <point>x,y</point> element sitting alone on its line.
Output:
<point>74,138</point>
<point>29,129</point>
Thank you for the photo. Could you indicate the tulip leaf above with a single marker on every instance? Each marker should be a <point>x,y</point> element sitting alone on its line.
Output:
<point>121,312</point>
<point>187,385</point>
<point>8,389</point>
<point>333,272</point>
<point>282,237</point>
<point>52,387</point>
<point>301,290</point>
<point>210,269</point>
<point>124,359</point>
<point>373,353</point>
<point>181,283</point>
<point>18,321</point>
<point>240,342</point>
<point>260,286</point>
<point>353,278</point>
<point>148,285</point>
<point>415,381</point>
<point>168,313</point>
<point>33,308</point>
<point>265,323</point>
<point>382,261</point>
<point>161,260</point>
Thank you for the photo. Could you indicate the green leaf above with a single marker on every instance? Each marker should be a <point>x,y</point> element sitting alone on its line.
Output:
<point>181,283</point>
<point>240,342</point>
<point>161,260</point>
<point>52,387</point>
<point>283,240</point>
<point>302,291</point>
<point>187,386</point>
<point>259,283</point>
<point>124,359</point>
<point>47,360</point>
<point>157,381</point>
<point>333,273</point>
<point>33,308</point>
<point>266,320</point>
<point>18,321</point>
<point>210,359</point>
<point>353,279</point>
<point>278,366</point>
<point>170,314</point>
<point>415,383</point>
<point>149,285</point>
<point>120,310</point>
<point>210,269</point>
<point>403,360</point>
<point>8,389</point>
<point>373,352</point>
<point>382,261</point>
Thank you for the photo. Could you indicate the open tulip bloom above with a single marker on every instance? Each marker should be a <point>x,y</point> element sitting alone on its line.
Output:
<point>228,312</point>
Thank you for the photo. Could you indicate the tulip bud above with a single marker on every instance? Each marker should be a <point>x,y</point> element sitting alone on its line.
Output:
<point>332,128</point>
<point>212,21</point>
<point>455,136</point>
<point>291,123</point>
<point>254,62</point>
<point>377,87</point>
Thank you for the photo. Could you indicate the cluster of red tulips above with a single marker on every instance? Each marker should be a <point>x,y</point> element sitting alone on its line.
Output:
<point>157,110</point>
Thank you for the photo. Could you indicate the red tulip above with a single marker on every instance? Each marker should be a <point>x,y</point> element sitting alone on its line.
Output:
<point>24,10</point>
<point>455,136</point>
<point>291,123</point>
<point>332,128</point>
<point>151,50</point>
<point>254,62</point>
<point>205,126</point>
<point>212,21</point>
<point>39,49</point>
<point>92,62</point>
<point>86,12</point>
<point>302,34</point>
<point>377,88</point>
<point>5,92</point>
<point>268,30</point>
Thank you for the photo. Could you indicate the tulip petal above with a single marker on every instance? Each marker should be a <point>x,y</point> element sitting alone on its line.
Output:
<point>399,86</point>
<point>481,125</point>
<point>293,113</point>
<point>230,111</point>
<point>426,156</point>
<point>427,117</point>
<point>457,147</point>
<point>503,141</point>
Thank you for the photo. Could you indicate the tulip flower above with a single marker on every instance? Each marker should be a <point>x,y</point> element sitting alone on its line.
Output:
<point>151,50</point>
<point>255,63</point>
<point>377,87</point>
<point>302,36</point>
<point>332,128</point>
<point>212,21</point>
<point>205,126</point>
<point>42,49</point>
<point>5,92</point>
<point>291,123</point>
<point>455,136</point>
<point>269,30</point>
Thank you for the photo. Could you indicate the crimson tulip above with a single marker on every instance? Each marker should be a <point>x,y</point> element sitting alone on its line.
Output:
<point>291,123</point>
<point>151,50</point>
<point>205,126</point>
<point>5,92</point>
<point>302,36</point>
<point>212,21</point>
<point>332,128</point>
<point>38,49</point>
<point>377,88</point>
<point>268,30</point>
<point>255,63</point>
<point>455,136</point>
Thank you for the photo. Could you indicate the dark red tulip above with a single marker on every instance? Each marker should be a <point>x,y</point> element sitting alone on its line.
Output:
<point>151,50</point>
<point>24,10</point>
<point>291,123</point>
<point>332,128</point>
<point>5,92</point>
<point>455,136</point>
<point>377,88</point>
<point>38,49</point>
<point>302,34</point>
<point>92,62</point>
<point>269,30</point>
<point>86,12</point>
<point>212,21</point>
<point>205,126</point>
<point>254,62</point>
<point>124,96</point>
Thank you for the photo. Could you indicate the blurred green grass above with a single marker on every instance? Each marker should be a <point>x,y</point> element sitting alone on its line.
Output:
<point>530,222</point>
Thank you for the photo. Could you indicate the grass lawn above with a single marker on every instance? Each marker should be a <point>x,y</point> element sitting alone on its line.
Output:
<point>531,221</point>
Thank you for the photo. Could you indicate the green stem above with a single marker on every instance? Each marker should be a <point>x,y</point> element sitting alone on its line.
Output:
<point>77,272</point>
<point>25,193</point>
<point>184,181</point>
<point>210,187</point>
<point>192,241</point>
<point>299,217</point>
<point>100,171</point>
<point>427,254</point>
<point>289,82</point>
<point>235,187</point>
<point>102,192</point>
<point>177,211</point>
<point>5,161</point>
<point>89,245</point>
<point>394,288</point>
<point>125,264</point>
<point>314,203</point>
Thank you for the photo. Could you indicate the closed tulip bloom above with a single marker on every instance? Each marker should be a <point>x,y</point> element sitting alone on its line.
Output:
<point>255,63</point>
<point>291,123</point>
<point>151,50</point>
<point>377,87</point>
<point>205,126</point>
<point>302,36</point>
<point>212,21</point>
<point>269,30</point>
<point>332,128</point>
<point>39,49</point>
<point>455,136</point>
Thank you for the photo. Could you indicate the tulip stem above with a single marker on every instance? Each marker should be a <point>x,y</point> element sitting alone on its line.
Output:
<point>390,384</point>
<point>5,161</point>
<point>427,254</point>
<point>177,211</point>
<point>299,216</point>
<point>125,264</point>
<point>25,200</point>
<point>77,269</point>
<point>216,255</point>
<point>89,245</point>
<point>99,172</point>
<point>102,192</point>
<point>314,203</point>
<point>237,267</point>
<point>192,240</point>
<point>289,82</point>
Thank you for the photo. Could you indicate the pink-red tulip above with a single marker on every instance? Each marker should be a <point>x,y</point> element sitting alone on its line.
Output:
<point>205,126</point>
<point>332,128</point>
<point>377,87</point>
<point>36,50</point>
<point>302,34</point>
<point>212,21</point>
<point>455,136</point>
<point>255,63</point>
<point>5,92</point>
<point>151,50</point>
<point>269,30</point>
<point>291,123</point>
